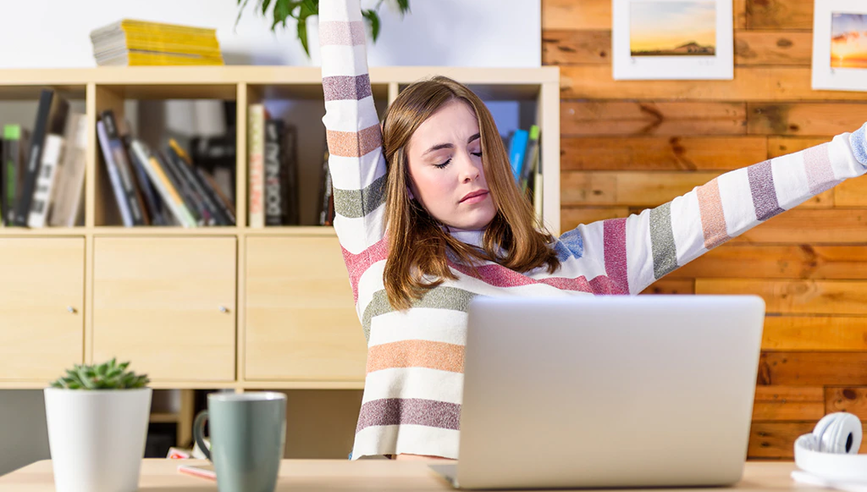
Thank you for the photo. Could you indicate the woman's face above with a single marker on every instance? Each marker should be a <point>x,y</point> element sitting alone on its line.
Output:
<point>445,168</point>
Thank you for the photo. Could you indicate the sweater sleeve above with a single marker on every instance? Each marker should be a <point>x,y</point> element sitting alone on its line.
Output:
<point>643,248</point>
<point>354,138</point>
<point>356,162</point>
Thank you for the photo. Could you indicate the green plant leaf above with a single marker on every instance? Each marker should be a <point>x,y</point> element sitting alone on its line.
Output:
<point>283,10</point>
<point>264,6</point>
<point>308,8</point>
<point>302,34</point>
<point>242,4</point>
<point>373,20</point>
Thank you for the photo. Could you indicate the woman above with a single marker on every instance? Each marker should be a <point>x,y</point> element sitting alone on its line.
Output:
<point>428,217</point>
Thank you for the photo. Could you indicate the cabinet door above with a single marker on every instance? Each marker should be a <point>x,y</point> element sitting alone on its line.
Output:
<point>300,316</point>
<point>167,305</point>
<point>42,307</point>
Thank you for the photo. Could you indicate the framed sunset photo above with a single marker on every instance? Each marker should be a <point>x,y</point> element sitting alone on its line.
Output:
<point>672,39</point>
<point>840,45</point>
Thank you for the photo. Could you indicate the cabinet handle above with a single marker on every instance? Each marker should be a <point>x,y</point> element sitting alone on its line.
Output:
<point>70,309</point>
<point>224,309</point>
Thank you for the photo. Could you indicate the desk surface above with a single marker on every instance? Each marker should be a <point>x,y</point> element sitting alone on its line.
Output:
<point>367,475</point>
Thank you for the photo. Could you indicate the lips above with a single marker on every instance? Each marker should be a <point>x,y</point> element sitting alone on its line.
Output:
<point>474,194</point>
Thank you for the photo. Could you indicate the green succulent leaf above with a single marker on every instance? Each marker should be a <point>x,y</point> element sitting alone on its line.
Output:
<point>108,375</point>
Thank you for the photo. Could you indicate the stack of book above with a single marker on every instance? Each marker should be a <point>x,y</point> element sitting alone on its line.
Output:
<point>42,178</point>
<point>159,186</point>
<point>133,42</point>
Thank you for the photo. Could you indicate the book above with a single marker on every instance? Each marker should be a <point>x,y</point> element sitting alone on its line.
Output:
<point>136,42</point>
<point>256,165</point>
<point>168,192</point>
<point>145,58</point>
<point>152,201</point>
<point>184,187</point>
<point>203,471</point>
<point>118,153</point>
<point>66,202</point>
<point>45,181</point>
<point>199,186</point>
<point>290,174</point>
<point>50,118</point>
<point>11,169</point>
<point>135,25</point>
<point>113,174</point>
<point>275,206</point>
<point>531,159</point>
<point>517,150</point>
<point>221,199</point>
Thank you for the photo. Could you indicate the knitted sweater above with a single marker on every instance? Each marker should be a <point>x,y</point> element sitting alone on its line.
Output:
<point>412,392</point>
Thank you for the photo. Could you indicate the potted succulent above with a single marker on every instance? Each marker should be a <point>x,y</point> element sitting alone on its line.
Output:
<point>305,12</point>
<point>97,424</point>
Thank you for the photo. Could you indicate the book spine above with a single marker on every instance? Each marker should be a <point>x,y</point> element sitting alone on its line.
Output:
<point>290,174</point>
<point>11,160</point>
<point>165,187</point>
<point>184,189</point>
<point>256,163</point>
<point>113,174</point>
<point>45,183</point>
<point>531,158</point>
<point>274,206</point>
<point>69,189</point>
<point>517,150</point>
<point>211,188</point>
<point>34,157</point>
<point>185,166</point>
<point>124,169</point>
<point>150,197</point>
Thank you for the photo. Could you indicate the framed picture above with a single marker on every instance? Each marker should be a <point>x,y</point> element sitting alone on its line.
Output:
<point>840,45</point>
<point>672,40</point>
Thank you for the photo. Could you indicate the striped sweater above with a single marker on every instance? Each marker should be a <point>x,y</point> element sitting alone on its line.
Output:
<point>412,393</point>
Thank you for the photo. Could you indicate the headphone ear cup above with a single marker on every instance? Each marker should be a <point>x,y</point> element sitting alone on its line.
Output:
<point>838,433</point>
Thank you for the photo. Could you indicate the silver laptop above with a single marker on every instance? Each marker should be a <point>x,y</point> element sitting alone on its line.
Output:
<point>607,391</point>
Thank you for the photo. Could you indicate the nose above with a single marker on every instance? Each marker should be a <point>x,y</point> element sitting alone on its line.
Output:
<point>470,169</point>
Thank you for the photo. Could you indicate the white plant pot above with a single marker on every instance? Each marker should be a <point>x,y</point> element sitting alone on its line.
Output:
<point>97,438</point>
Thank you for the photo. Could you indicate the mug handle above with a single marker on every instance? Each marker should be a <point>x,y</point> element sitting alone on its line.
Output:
<point>199,432</point>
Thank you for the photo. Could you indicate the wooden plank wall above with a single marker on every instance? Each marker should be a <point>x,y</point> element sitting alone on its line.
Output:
<point>629,145</point>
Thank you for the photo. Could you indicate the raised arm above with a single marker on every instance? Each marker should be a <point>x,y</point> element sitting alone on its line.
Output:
<point>354,137</point>
<point>658,241</point>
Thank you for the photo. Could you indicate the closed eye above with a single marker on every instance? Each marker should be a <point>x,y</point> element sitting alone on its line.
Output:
<point>444,164</point>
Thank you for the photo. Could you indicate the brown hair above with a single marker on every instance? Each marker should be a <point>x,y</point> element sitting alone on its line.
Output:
<point>418,243</point>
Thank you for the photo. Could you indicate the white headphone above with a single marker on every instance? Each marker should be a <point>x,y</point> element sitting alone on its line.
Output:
<point>831,450</point>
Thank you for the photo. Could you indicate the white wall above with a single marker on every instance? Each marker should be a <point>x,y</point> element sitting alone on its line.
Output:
<point>488,33</point>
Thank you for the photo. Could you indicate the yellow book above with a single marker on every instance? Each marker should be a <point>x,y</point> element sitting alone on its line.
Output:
<point>132,25</point>
<point>183,49</point>
<point>132,58</point>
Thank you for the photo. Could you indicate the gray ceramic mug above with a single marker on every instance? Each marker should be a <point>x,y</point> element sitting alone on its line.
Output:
<point>248,432</point>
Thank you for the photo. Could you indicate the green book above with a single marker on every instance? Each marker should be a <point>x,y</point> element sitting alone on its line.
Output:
<point>11,160</point>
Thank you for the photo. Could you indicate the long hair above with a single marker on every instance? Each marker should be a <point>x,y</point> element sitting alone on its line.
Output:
<point>419,245</point>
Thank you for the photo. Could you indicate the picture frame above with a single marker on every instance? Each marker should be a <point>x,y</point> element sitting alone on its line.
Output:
<point>672,40</point>
<point>840,45</point>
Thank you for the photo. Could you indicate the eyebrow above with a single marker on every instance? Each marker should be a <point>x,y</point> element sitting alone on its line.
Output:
<point>449,146</point>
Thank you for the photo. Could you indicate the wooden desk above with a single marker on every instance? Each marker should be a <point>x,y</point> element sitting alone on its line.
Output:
<point>373,475</point>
